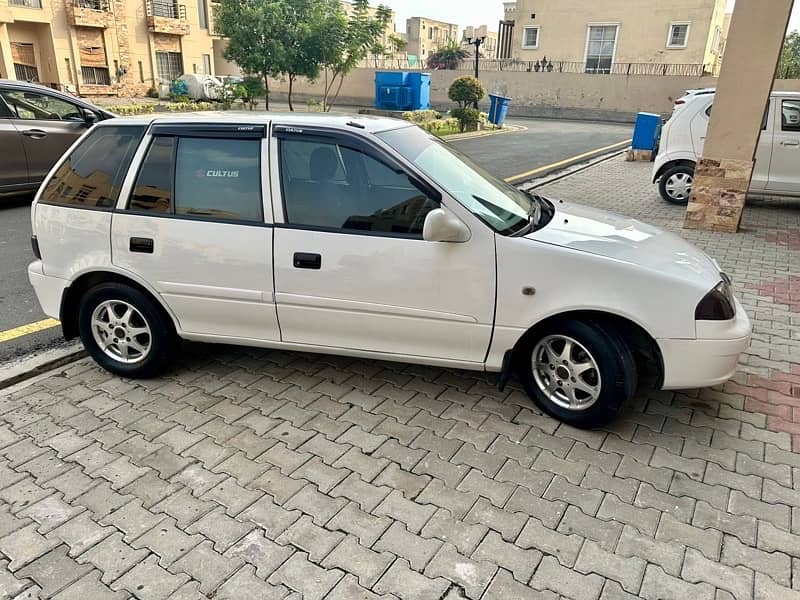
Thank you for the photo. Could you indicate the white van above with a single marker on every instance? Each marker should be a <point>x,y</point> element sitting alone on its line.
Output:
<point>367,237</point>
<point>777,168</point>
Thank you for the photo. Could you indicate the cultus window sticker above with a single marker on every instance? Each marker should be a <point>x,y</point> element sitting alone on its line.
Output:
<point>223,174</point>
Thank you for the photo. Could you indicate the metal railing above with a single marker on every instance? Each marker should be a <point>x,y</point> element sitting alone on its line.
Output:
<point>167,10</point>
<point>102,5</point>
<point>26,3</point>
<point>95,75</point>
<point>548,66</point>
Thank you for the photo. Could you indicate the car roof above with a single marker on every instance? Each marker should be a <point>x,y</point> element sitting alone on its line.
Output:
<point>367,123</point>
<point>773,94</point>
<point>40,87</point>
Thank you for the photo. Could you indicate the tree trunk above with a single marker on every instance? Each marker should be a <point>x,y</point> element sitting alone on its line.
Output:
<point>266,88</point>
<point>291,83</point>
<point>336,95</point>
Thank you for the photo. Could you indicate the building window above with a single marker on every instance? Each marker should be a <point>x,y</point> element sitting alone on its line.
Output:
<point>202,14</point>
<point>530,38</point>
<point>141,72</point>
<point>600,48</point>
<point>24,61</point>
<point>95,75</point>
<point>169,65</point>
<point>207,64</point>
<point>678,35</point>
<point>717,39</point>
<point>26,3</point>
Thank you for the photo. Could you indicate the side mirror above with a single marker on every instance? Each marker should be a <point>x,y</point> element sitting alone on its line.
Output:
<point>90,117</point>
<point>442,226</point>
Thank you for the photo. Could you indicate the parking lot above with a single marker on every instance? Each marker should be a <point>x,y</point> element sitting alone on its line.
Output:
<point>261,474</point>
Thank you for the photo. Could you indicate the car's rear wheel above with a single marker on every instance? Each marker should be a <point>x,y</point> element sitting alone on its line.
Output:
<point>580,372</point>
<point>676,184</point>
<point>125,331</point>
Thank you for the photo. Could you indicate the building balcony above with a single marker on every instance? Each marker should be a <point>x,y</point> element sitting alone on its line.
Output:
<point>89,13</point>
<point>167,17</point>
<point>23,10</point>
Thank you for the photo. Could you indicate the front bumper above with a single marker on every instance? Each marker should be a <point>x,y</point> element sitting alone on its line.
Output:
<point>49,290</point>
<point>710,359</point>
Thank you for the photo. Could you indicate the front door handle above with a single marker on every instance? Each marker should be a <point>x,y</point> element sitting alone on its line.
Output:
<point>790,143</point>
<point>142,245</point>
<point>36,134</point>
<point>305,260</point>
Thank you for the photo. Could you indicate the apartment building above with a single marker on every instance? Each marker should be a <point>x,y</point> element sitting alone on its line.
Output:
<point>606,32</point>
<point>426,36</point>
<point>488,48</point>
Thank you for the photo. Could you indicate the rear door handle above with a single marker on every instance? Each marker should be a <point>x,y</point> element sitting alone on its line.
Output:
<point>790,143</point>
<point>142,245</point>
<point>305,260</point>
<point>36,134</point>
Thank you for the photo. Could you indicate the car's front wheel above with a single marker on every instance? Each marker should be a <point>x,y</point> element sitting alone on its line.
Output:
<point>125,331</point>
<point>580,372</point>
<point>676,184</point>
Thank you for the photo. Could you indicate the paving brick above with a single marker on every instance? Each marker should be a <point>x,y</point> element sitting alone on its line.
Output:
<point>352,557</point>
<point>504,586</point>
<point>680,508</point>
<point>223,530</point>
<point>184,507</point>
<point>539,438</point>
<point>261,552</point>
<point>417,550</point>
<point>771,539</point>
<point>657,585</point>
<point>773,493</point>
<point>150,488</point>
<point>271,517</point>
<point>113,557</point>
<point>749,484</point>
<point>668,555</point>
<point>53,571</point>
<point>715,495</point>
<point>724,457</point>
<point>21,494</point>
<point>364,526</point>
<point>737,580</point>
<point>777,473</point>
<point>627,571</point>
<point>624,489</point>
<point>349,589</point>
<point>367,442</point>
<point>414,515</point>
<point>453,531</point>
<point>535,481</point>
<point>148,581</point>
<point>552,576</point>
<point>437,445</point>
<point>393,476</point>
<point>80,533</point>
<point>605,461</point>
<point>24,546</point>
<point>564,547</point>
<point>605,533</point>
<point>777,514</point>
<point>521,563</point>
<point>316,541</point>
<point>206,566</point>
<point>645,520</point>
<point>694,467</point>
<point>573,471</point>
<point>132,519</point>
<point>472,575</point>
<point>366,495</point>
<point>659,478</point>
<point>548,512</point>
<point>775,564</point>
<point>507,524</point>
<point>588,500</point>
<point>766,589</point>
<point>707,541</point>
<point>406,457</point>
<point>50,512</point>
<point>88,586</point>
<point>245,584</point>
<point>318,505</point>
<point>640,452</point>
<point>743,527</point>
<point>279,486</point>
<point>366,466</point>
<point>409,585</point>
<point>305,577</point>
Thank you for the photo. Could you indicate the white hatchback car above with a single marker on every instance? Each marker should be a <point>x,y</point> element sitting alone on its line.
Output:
<point>367,237</point>
<point>777,168</point>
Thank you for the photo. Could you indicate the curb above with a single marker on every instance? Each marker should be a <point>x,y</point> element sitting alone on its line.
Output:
<point>573,169</point>
<point>29,367</point>
<point>483,133</point>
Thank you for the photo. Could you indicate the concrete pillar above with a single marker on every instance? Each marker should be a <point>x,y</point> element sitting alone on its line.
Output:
<point>723,174</point>
<point>6,63</point>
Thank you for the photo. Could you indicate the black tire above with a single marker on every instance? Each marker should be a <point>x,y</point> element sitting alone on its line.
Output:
<point>614,362</point>
<point>162,339</point>
<point>681,199</point>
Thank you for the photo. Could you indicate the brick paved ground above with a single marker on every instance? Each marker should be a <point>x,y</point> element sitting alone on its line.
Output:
<point>254,474</point>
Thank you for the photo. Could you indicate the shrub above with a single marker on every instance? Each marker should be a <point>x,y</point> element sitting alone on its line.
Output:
<point>132,109</point>
<point>421,116</point>
<point>466,91</point>
<point>468,118</point>
<point>152,92</point>
<point>314,105</point>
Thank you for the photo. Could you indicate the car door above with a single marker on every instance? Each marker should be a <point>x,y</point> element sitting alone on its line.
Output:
<point>14,167</point>
<point>195,228</point>
<point>48,125</point>
<point>352,269</point>
<point>784,170</point>
<point>763,150</point>
<point>698,124</point>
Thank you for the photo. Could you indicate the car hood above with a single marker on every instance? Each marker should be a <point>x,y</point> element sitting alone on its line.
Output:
<point>624,239</point>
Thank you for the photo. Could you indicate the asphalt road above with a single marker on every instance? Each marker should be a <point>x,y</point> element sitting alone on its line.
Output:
<point>542,143</point>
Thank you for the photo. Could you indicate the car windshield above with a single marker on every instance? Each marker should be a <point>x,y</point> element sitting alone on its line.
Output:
<point>503,207</point>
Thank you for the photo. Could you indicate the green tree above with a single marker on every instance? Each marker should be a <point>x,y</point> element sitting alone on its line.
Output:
<point>302,58</point>
<point>789,67</point>
<point>343,43</point>
<point>397,44</point>
<point>254,29</point>
<point>466,91</point>
<point>448,56</point>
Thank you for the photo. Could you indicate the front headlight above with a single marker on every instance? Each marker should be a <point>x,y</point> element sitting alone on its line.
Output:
<point>718,305</point>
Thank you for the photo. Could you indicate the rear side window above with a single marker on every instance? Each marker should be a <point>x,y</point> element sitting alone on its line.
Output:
<point>790,115</point>
<point>202,178</point>
<point>92,175</point>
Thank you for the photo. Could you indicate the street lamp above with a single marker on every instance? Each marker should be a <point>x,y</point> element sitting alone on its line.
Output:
<point>477,42</point>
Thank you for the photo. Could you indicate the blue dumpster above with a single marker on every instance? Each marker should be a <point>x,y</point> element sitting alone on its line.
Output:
<point>401,90</point>
<point>646,132</point>
<point>498,109</point>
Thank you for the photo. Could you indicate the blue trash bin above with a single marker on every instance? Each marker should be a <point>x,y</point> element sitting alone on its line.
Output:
<point>646,132</point>
<point>498,109</point>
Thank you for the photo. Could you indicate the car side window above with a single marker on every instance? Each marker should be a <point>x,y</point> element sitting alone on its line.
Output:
<point>205,178</point>
<point>36,106</point>
<point>790,115</point>
<point>331,186</point>
<point>92,175</point>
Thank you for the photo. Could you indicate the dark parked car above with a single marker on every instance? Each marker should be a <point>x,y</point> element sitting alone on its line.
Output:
<point>37,124</point>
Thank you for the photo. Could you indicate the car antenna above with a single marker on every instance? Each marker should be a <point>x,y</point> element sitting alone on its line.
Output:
<point>354,124</point>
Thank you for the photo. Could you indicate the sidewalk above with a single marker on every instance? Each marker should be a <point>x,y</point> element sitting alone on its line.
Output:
<point>259,474</point>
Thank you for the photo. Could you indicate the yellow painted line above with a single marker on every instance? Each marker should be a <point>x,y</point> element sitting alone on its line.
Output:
<point>28,329</point>
<point>568,161</point>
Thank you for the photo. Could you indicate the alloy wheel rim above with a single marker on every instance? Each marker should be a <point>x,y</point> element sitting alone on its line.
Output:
<point>121,331</point>
<point>679,186</point>
<point>566,372</point>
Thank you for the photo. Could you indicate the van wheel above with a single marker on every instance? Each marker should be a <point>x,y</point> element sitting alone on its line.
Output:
<point>580,372</point>
<point>676,184</point>
<point>125,331</point>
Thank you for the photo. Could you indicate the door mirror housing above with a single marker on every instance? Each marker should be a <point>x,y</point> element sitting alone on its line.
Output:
<point>90,117</point>
<point>442,226</point>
